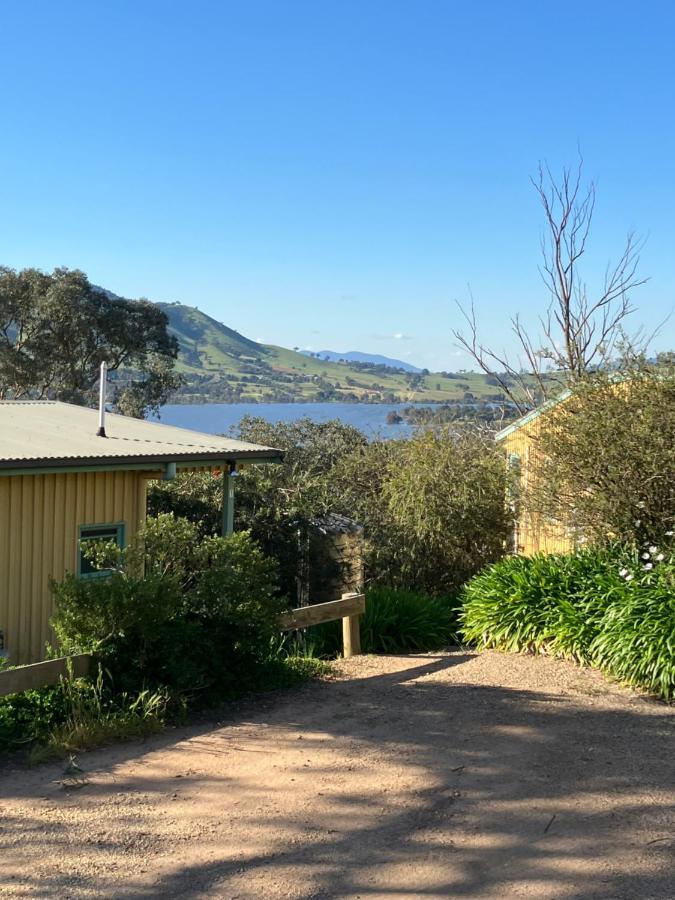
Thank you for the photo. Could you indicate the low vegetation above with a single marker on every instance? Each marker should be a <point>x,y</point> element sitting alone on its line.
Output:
<point>613,608</point>
<point>395,622</point>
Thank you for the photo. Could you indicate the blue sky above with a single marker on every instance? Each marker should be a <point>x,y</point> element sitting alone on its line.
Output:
<point>334,174</point>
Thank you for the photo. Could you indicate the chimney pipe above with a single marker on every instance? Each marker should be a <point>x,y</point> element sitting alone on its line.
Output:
<point>101,400</point>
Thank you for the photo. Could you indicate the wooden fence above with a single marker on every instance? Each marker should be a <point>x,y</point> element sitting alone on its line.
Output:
<point>349,609</point>
<point>42,674</point>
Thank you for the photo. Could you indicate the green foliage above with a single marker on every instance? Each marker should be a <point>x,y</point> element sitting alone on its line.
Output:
<point>432,507</point>
<point>91,717</point>
<point>29,716</point>
<point>76,714</point>
<point>196,496</point>
<point>609,452</point>
<point>56,329</point>
<point>394,622</point>
<point>612,608</point>
<point>398,621</point>
<point>199,622</point>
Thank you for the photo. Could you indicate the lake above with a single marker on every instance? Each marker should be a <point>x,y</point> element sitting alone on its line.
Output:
<point>218,418</point>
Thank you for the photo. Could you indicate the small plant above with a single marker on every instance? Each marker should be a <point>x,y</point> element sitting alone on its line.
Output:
<point>94,717</point>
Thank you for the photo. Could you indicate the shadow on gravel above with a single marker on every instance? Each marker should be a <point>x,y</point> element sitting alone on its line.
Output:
<point>533,787</point>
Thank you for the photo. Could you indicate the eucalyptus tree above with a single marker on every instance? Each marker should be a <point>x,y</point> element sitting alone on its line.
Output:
<point>57,328</point>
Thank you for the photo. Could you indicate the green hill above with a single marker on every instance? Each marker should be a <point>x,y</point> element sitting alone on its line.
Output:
<point>219,364</point>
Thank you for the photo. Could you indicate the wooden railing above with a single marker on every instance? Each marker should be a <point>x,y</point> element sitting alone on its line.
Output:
<point>42,674</point>
<point>349,609</point>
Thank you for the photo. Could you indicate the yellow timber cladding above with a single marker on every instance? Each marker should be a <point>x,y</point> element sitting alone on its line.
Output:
<point>533,533</point>
<point>40,519</point>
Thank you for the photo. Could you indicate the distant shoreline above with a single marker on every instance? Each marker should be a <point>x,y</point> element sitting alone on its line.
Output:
<point>188,401</point>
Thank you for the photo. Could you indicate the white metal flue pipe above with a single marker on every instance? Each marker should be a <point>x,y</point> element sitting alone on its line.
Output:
<point>101,400</point>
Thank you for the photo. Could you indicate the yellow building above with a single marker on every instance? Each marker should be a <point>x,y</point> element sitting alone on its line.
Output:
<point>61,484</point>
<point>533,533</point>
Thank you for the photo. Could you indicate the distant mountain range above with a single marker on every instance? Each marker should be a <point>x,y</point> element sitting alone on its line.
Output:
<point>220,365</point>
<point>371,358</point>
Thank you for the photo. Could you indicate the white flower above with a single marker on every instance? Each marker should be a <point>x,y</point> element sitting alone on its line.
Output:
<point>641,504</point>
<point>648,566</point>
<point>623,572</point>
<point>645,555</point>
<point>669,533</point>
<point>660,557</point>
<point>638,523</point>
<point>629,577</point>
<point>653,549</point>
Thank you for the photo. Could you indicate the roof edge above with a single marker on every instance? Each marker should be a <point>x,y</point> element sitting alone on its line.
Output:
<point>532,415</point>
<point>148,461</point>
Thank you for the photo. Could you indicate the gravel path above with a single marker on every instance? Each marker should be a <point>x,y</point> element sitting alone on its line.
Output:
<point>433,776</point>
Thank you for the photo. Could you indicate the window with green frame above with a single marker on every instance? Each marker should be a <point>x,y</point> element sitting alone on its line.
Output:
<point>113,532</point>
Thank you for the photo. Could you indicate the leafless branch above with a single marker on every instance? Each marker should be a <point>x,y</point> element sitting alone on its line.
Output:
<point>580,329</point>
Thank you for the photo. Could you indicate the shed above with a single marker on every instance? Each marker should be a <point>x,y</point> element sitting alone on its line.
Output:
<point>61,483</point>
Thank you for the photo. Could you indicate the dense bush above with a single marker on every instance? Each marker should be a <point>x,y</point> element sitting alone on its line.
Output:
<point>276,503</point>
<point>612,608</point>
<point>432,507</point>
<point>394,622</point>
<point>199,621</point>
<point>607,457</point>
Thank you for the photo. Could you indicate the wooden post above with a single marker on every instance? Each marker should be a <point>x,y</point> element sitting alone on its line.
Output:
<point>351,632</point>
<point>229,475</point>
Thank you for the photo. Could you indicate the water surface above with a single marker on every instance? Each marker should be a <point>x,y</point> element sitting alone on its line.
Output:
<point>220,418</point>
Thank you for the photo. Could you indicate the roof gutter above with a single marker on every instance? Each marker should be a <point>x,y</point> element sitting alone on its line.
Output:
<point>152,464</point>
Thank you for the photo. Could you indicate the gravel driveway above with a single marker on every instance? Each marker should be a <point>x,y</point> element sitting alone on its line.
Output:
<point>433,776</point>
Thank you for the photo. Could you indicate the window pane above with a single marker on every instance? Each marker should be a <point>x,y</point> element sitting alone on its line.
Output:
<point>97,533</point>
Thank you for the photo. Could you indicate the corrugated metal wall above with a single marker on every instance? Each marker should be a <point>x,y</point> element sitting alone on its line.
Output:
<point>40,516</point>
<point>533,534</point>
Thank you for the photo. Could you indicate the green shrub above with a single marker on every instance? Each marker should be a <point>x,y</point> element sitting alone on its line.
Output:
<point>433,508</point>
<point>394,622</point>
<point>636,640</point>
<point>617,440</point>
<point>198,623</point>
<point>613,608</point>
<point>29,716</point>
<point>541,602</point>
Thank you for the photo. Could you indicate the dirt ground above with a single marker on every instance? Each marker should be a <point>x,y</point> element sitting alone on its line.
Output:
<point>443,775</point>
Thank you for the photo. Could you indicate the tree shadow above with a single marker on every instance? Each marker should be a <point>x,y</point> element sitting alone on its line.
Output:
<point>486,791</point>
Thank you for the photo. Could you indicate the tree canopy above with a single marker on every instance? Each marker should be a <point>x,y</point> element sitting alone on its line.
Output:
<point>57,328</point>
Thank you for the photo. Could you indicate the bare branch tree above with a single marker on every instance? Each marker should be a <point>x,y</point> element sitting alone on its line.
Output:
<point>579,330</point>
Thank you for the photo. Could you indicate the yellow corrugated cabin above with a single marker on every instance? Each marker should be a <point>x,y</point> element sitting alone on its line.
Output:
<point>61,484</point>
<point>533,534</point>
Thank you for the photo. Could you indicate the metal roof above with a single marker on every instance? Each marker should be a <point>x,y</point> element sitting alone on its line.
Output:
<point>45,433</point>
<point>533,414</point>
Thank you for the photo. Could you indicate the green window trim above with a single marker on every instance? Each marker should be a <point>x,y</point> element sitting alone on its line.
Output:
<point>106,531</point>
